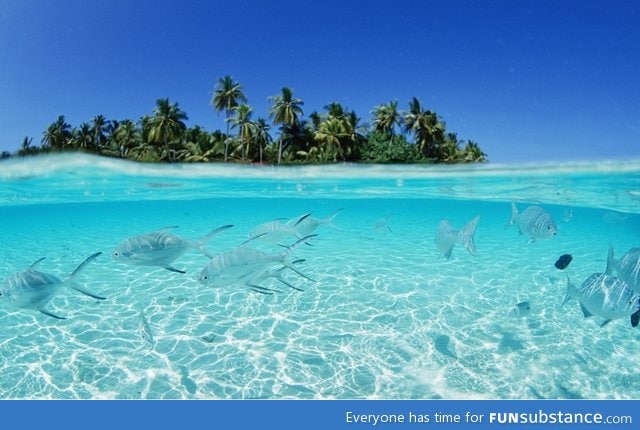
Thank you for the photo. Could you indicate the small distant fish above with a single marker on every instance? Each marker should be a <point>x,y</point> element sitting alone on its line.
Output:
<point>162,185</point>
<point>521,309</point>
<point>563,261</point>
<point>607,297</point>
<point>383,223</point>
<point>145,330</point>
<point>447,237</point>
<point>612,217</point>
<point>32,289</point>
<point>627,268</point>
<point>160,248</point>
<point>307,225</point>
<point>567,215</point>
<point>534,221</point>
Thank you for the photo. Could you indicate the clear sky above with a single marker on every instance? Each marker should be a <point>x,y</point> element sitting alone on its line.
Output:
<point>529,80</point>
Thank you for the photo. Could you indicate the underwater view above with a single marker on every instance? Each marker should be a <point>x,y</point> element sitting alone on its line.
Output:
<point>121,280</point>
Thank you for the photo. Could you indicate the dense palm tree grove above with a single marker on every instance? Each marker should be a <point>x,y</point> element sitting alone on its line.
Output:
<point>417,135</point>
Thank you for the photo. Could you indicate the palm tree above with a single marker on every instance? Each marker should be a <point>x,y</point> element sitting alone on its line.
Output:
<point>26,148</point>
<point>449,151</point>
<point>386,118</point>
<point>57,135</point>
<point>331,134</point>
<point>286,111</point>
<point>201,146</point>
<point>246,127</point>
<point>99,126</point>
<point>227,95</point>
<point>427,129</point>
<point>355,139</point>
<point>125,137</point>
<point>473,153</point>
<point>261,136</point>
<point>335,110</point>
<point>83,137</point>
<point>166,126</point>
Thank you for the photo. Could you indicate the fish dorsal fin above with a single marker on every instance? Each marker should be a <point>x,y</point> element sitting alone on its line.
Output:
<point>169,227</point>
<point>202,242</point>
<point>207,237</point>
<point>82,265</point>
<point>291,248</point>
<point>611,261</point>
<point>254,238</point>
<point>35,263</point>
<point>302,218</point>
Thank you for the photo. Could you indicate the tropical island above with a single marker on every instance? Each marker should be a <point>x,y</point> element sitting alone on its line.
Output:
<point>417,135</point>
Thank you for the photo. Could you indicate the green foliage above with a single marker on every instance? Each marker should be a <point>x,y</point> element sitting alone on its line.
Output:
<point>336,135</point>
<point>381,148</point>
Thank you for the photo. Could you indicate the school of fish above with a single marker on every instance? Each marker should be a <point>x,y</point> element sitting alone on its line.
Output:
<point>609,295</point>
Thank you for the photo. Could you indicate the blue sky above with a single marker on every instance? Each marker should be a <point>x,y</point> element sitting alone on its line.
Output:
<point>529,80</point>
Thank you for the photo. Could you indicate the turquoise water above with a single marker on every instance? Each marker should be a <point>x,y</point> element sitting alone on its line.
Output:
<point>384,316</point>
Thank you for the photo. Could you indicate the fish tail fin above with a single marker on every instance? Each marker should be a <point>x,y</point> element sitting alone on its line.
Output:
<point>569,294</point>
<point>201,243</point>
<point>329,220</point>
<point>514,215</point>
<point>81,267</point>
<point>466,236</point>
<point>611,261</point>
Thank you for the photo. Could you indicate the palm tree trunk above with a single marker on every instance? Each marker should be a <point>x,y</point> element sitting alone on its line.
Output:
<point>226,140</point>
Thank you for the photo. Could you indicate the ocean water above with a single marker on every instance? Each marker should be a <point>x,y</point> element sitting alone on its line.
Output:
<point>384,316</point>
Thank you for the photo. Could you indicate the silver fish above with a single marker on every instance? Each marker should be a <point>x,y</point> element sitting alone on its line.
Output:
<point>274,231</point>
<point>32,289</point>
<point>245,266</point>
<point>521,309</point>
<point>307,225</point>
<point>383,223</point>
<point>627,267</point>
<point>613,217</point>
<point>605,296</point>
<point>447,237</point>
<point>160,248</point>
<point>534,221</point>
